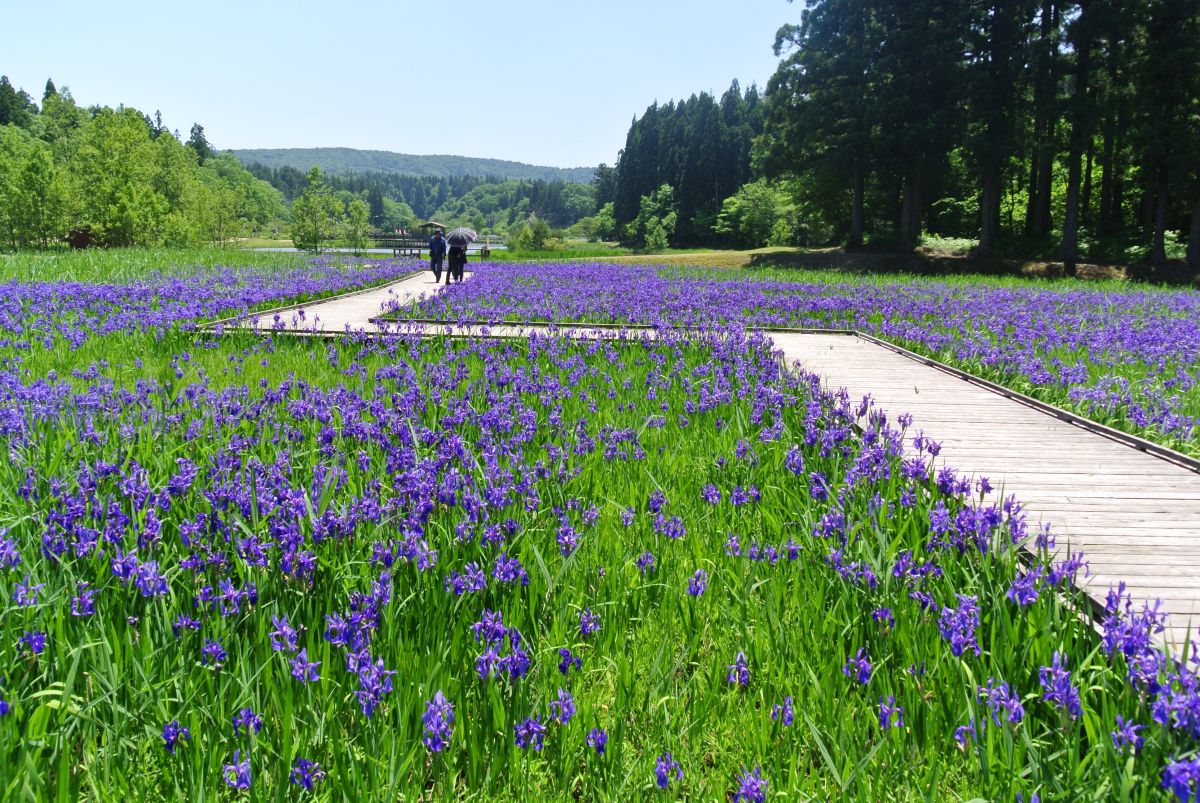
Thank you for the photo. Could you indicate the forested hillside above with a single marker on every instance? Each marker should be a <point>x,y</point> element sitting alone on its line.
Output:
<point>486,203</point>
<point>335,161</point>
<point>117,177</point>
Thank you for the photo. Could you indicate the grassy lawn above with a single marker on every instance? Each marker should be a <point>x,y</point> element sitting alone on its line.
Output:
<point>264,242</point>
<point>131,264</point>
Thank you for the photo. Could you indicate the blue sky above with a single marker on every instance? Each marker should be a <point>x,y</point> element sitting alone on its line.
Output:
<point>536,81</point>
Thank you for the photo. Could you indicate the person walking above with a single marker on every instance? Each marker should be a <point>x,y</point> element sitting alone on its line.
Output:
<point>457,261</point>
<point>437,252</point>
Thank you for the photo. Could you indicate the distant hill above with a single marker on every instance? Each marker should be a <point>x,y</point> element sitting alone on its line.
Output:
<point>352,160</point>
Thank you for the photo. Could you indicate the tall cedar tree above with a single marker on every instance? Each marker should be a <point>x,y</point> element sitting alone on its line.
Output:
<point>996,80</point>
<point>1080,114</point>
<point>819,100</point>
<point>1044,145</point>
<point>699,147</point>
<point>916,109</point>
<point>1167,110</point>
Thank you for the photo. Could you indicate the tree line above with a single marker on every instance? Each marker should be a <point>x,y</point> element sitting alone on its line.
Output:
<point>1040,118</point>
<point>485,203</point>
<point>117,177</point>
<point>1046,126</point>
<point>681,161</point>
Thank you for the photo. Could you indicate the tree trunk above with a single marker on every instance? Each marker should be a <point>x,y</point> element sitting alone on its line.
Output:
<point>1193,251</point>
<point>1158,246</point>
<point>1032,188</point>
<point>989,209</point>
<point>1042,213</point>
<point>1118,218</point>
<point>1149,195</point>
<point>1085,213</point>
<point>1037,216</point>
<point>1080,135</point>
<point>1104,225</point>
<point>1070,238</point>
<point>856,210</point>
<point>910,211</point>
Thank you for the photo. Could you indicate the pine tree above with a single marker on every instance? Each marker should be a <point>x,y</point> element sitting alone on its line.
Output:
<point>916,105</point>
<point>1080,113</point>
<point>199,143</point>
<point>995,82</point>
<point>1044,144</point>
<point>821,99</point>
<point>16,107</point>
<point>1167,92</point>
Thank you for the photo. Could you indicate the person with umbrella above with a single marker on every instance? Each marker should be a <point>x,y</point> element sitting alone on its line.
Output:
<point>458,240</point>
<point>437,251</point>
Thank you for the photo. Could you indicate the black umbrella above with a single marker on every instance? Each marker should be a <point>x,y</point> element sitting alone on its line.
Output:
<point>461,237</point>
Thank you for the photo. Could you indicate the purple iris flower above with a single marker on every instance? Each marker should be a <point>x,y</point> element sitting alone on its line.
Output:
<point>597,738</point>
<point>213,653</point>
<point>739,671</point>
<point>1001,701</point>
<point>784,712</point>
<point>1126,735</point>
<point>84,603</point>
<point>1182,778</point>
<point>588,622</point>
<point>752,786</point>
<point>858,667</point>
<point>33,640</point>
<point>303,669</point>
<point>890,714</point>
<point>567,659</point>
<point>958,625</point>
<point>306,774</point>
<point>237,774</point>
<point>172,733</point>
<point>283,637</point>
<point>645,562</point>
<point>26,593</point>
<point>664,767</point>
<point>964,734</point>
<point>1024,589</point>
<point>530,733</point>
<point>563,708</point>
<point>1057,688</point>
<point>438,720</point>
<point>246,718</point>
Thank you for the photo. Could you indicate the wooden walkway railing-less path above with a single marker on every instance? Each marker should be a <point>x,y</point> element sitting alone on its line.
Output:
<point>1135,516</point>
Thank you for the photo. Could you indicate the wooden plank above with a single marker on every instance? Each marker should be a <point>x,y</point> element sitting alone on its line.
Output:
<point>1135,516</point>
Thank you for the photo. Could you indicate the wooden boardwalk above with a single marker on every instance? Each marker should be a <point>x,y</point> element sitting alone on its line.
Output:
<point>1135,516</point>
<point>352,312</point>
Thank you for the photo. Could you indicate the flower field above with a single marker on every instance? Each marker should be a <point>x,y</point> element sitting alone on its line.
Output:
<point>1124,358</point>
<point>434,568</point>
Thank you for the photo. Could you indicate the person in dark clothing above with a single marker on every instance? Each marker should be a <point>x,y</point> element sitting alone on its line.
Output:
<point>457,261</point>
<point>437,252</point>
